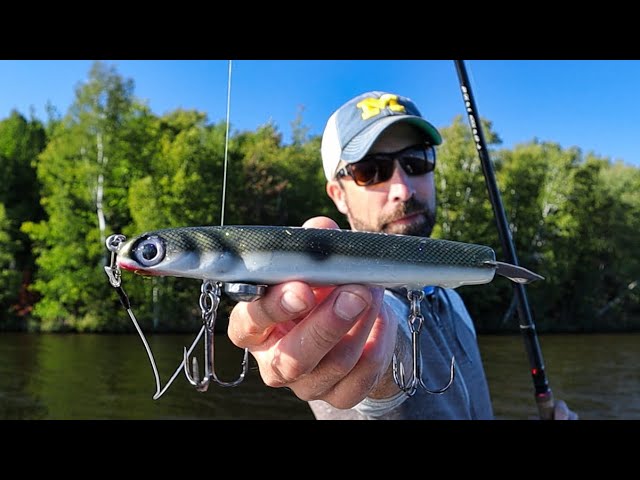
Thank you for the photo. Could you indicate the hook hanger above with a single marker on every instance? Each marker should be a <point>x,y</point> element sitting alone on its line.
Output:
<point>210,293</point>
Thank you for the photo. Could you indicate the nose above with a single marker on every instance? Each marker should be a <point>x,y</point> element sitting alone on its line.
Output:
<point>401,187</point>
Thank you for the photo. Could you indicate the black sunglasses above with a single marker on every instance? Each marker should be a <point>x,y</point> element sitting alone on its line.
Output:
<point>378,167</point>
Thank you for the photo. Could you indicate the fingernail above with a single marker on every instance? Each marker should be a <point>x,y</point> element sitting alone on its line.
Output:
<point>349,305</point>
<point>292,303</point>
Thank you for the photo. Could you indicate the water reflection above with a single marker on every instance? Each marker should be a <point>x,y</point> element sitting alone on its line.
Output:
<point>596,374</point>
<point>109,377</point>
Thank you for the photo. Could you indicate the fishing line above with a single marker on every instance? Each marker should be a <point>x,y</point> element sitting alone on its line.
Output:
<point>226,146</point>
<point>159,392</point>
<point>113,273</point>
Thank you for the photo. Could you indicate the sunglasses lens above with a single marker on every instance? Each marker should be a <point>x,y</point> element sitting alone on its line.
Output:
<point>378,167</point>
<point>418,161</point>
<point>415,165</point>
<point>372,171</point>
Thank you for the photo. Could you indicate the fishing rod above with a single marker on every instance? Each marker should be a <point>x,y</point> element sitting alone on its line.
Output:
<point>543,395</point>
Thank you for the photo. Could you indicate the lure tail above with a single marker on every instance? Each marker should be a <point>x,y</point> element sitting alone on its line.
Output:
<point>515,273</point>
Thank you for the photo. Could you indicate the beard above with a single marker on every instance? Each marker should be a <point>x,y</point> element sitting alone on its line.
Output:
<point>421,227</point>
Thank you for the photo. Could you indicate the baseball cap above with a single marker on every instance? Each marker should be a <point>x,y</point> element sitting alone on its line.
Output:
<point>355,126</point>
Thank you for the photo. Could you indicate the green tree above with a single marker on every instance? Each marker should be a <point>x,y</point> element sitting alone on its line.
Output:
<point>464,212</point>
<point>85,172</point>
<point>536,179</point>
<point>20,143</point>
<point>111,166</point>
<point>9,275</point>
<point>574,220</point>
<point>599,245</point>
<point>623,298</point>
<point>181,186</point>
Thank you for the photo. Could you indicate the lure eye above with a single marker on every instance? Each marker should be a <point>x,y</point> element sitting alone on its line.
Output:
<point>149,252</point>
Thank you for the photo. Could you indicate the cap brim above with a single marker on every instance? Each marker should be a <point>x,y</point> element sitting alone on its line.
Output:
<point>361,143</point>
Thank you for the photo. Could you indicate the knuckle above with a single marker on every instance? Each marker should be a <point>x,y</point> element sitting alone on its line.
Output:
<point>345,402</point>
<point>286,371</point>
<point>273,381</point>
<point>340,366</point>
<point>308,396</point>
<point>243,329</point>
<point>373,360</point>
<point>252,330</point>
<point>322,338</point>
<point>237,336</point>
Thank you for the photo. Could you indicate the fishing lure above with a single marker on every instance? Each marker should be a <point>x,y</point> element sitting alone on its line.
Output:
<point>269,255</point>
<point>247,259</point>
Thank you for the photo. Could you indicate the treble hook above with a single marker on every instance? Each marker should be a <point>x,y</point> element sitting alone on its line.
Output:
<point>209,300</point>
<point>415,324</point>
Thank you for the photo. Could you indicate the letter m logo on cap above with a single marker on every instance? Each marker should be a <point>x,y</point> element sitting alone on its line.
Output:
<point>373,106</point>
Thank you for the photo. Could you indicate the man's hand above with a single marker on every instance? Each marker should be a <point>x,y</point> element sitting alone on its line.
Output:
<point>324,343</point>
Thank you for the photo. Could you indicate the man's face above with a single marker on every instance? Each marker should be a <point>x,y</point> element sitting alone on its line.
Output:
<point>403,204</point>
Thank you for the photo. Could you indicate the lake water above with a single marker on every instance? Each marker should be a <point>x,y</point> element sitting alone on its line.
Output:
<point>81,377</point>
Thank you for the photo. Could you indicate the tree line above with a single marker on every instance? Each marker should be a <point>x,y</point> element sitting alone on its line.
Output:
<point>109,165</point>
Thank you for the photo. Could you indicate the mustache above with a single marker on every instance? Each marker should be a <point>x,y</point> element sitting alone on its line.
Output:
<point>410,207</point>
<point>405,209</point>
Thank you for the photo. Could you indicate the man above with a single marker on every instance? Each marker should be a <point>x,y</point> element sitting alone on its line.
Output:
<point>338,347</point>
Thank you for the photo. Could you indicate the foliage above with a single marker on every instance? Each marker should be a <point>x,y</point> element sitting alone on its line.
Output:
<point>98,144</point>
<point>109,165</point>
<point>21,140</point>
<point>464,212</point>
<point>9,276</point>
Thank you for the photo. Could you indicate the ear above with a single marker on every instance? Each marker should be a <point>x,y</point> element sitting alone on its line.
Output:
<point>337,194</point>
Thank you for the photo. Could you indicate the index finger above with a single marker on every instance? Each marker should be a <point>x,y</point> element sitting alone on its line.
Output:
<point>250,324</point>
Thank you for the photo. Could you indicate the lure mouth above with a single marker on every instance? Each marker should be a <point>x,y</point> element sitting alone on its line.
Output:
<point>137,269</point>
<point>126,266</point>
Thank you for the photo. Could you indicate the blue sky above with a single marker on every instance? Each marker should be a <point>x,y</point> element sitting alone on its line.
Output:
<point>591,104</point>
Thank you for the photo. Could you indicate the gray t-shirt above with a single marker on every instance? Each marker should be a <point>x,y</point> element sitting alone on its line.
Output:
<point>447,331</point>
